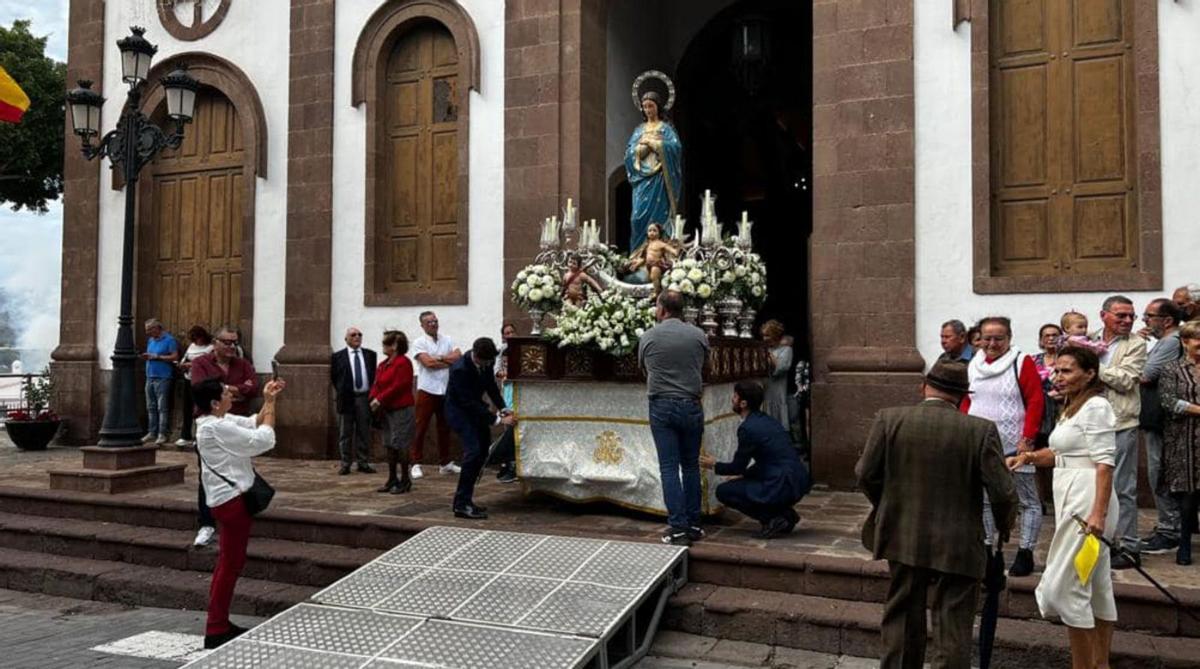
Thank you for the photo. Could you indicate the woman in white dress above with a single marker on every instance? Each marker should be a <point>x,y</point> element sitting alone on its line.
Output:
<point>1082,452</point>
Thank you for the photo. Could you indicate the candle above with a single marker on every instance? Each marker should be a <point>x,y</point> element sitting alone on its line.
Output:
<point>745,216</point>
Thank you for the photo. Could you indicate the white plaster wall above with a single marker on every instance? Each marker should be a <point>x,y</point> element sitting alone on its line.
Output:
<point>254,37</point>
<point>486,290</point>
<point>943,181</point>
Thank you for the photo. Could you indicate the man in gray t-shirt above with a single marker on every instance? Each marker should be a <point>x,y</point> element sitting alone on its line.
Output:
<point>1162,318</point>
<point>673,355</point>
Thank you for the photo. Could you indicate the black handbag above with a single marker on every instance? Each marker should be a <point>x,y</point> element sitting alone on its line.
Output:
<point>257,498</point>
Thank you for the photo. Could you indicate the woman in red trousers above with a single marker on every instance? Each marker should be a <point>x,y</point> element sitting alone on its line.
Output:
<point>226,444</point>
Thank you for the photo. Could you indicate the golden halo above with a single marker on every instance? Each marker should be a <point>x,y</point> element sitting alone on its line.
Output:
<point>653,74</point>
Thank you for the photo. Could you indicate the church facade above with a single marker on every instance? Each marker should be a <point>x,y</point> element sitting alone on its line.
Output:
<point>906,162</point>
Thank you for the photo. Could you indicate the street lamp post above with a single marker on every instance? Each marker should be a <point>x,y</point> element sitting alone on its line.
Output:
<point>133,143</point>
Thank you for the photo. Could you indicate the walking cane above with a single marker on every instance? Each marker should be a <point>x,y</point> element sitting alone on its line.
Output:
<point>1120,550</point>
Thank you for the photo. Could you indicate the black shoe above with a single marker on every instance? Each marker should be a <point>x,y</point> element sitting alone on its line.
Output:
<point>696,533</point>
<point>1126,560</point>
<point>1158,544</point>
<point>366,469</point>
<point>470,513</point>
<point>217,640</point>
<point>677,537</point>
<point>344,470</point>
<point>401,487</point>
<point>1183,555</point>
<point>506,475</point>
<point>1022,564</point>
<point>793,519</point>
<point>389,486</point>
<point>776,527</point>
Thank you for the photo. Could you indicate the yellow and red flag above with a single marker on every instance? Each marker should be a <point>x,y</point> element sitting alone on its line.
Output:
<point>13,101</point>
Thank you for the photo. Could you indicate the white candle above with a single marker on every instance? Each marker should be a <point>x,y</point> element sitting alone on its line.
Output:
<point>745,216</point>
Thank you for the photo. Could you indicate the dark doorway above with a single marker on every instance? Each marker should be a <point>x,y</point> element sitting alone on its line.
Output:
<point>744,114</point>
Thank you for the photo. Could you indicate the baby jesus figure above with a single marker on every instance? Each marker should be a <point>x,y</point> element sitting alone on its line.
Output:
<point>576,282</point>
<point>655,255</point>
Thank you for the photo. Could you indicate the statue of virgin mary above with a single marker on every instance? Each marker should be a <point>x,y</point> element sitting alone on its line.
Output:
<point>654,166</point>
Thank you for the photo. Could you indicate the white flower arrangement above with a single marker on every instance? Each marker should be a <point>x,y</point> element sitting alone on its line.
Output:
<point>611,322</point>
<point>537,287</point>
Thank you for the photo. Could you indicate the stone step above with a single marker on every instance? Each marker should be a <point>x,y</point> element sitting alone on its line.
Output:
<point>136,585</point>
<point>1141,607</point>
<point>844,627</point>
<point>278,560</point>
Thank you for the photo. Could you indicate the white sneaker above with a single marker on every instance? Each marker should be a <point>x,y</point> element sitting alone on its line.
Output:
<point>150,436</point>
<point>205,536</point>
<point>183,443</point>
<point>416,472</point>
<point>451,468</point>
<point>162,439</point>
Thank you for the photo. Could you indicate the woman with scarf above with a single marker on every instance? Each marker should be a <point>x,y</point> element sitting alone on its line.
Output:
<point>1007,390</point>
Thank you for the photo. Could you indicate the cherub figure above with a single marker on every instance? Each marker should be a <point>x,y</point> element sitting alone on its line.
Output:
<point>655,255</point>
<point>576,281</point>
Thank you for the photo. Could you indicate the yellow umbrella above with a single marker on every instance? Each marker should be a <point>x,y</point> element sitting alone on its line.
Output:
<point>1086,557</point>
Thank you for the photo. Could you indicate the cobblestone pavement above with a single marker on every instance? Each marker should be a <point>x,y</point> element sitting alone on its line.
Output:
<point>43,631</point>
<point>830,520</point>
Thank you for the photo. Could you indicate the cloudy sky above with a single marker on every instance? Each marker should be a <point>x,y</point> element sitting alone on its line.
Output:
<point>30,261</point>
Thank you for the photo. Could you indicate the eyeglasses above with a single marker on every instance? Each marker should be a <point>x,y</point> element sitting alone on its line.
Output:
<point>431,321</point>
<point>994,339</point>
<point>1123,317</point>
<point>227,342</point>
<point>354,334</point>
<point>1149,316</point>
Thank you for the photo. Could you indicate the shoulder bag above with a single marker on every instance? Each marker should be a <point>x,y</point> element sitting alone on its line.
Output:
<point>257,498</point>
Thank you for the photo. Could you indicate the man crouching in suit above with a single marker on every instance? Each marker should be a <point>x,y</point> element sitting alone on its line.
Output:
<point>470,417</point>
<point>767,490</point>
<point>925,468</point>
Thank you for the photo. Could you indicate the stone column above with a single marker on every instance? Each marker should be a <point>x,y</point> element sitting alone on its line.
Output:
<point>554,115</point>
<point>75,360</point>
<point>863,253</point>
<point>305,413</point>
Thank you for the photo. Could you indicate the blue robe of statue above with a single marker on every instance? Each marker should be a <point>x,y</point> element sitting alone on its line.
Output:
<point>657,183</point>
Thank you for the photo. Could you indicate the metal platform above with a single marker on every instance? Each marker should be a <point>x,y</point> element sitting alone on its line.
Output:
<point>474,599</point>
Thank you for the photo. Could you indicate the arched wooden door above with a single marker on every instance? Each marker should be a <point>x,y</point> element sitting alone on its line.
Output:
<point>191,224</point>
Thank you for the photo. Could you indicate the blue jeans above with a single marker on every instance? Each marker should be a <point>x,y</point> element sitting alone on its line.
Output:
<point>158,406</point>
<point>677,426</point>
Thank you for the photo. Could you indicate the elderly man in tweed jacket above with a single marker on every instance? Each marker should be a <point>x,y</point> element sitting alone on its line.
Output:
<point>925,469</point>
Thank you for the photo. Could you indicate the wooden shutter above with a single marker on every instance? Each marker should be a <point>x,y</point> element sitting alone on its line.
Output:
<point>1062,133</point>
<point>417,231</point>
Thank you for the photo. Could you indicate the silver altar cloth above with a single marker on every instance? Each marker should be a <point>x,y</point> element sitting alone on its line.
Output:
<point>590,441</point>
<point>467,599</point>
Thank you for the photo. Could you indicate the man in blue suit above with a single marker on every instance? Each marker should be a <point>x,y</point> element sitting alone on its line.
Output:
<point>767,490</point>
<point>471,418</point>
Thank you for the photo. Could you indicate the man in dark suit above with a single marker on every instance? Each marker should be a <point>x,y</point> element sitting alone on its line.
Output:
<point>352,371</point>
<point>471,377</point>
<point>768,490</point>
<point>925,469</point>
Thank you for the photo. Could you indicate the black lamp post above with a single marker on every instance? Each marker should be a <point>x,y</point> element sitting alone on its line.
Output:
<point>133,143</point>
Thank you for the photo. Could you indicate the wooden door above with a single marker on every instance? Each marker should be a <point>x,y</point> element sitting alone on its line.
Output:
<point>190,227</point>
<point>417,243</point>
<point>1063,136</point>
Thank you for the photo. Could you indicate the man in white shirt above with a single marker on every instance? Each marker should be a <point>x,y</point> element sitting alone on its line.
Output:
<point>433,354</point>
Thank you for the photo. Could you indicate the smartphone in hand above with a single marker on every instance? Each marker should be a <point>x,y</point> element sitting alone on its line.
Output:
<point>274,370</point>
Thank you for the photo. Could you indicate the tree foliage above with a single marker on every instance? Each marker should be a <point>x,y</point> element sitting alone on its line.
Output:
<point>31,152</point>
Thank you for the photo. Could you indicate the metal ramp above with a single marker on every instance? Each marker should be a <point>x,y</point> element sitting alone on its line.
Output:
<point>461,598</point>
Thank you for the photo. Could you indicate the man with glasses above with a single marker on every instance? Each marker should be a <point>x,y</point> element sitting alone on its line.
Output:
<point>1162,319</point>
<point>1121,368</point>
<point>434,353</point>
<point>352,373</point>
<point>238,375</point>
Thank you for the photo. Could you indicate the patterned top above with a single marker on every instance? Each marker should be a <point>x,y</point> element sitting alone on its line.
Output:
<point>1177,388</point>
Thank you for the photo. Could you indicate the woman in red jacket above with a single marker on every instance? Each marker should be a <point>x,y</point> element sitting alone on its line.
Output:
<point>392,394</point>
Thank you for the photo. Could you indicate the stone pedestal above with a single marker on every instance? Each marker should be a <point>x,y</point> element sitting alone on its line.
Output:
<point>117,470</point>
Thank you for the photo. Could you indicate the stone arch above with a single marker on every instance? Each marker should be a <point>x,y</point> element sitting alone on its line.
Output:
<point>391,22</point>
<point>231,82</point>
